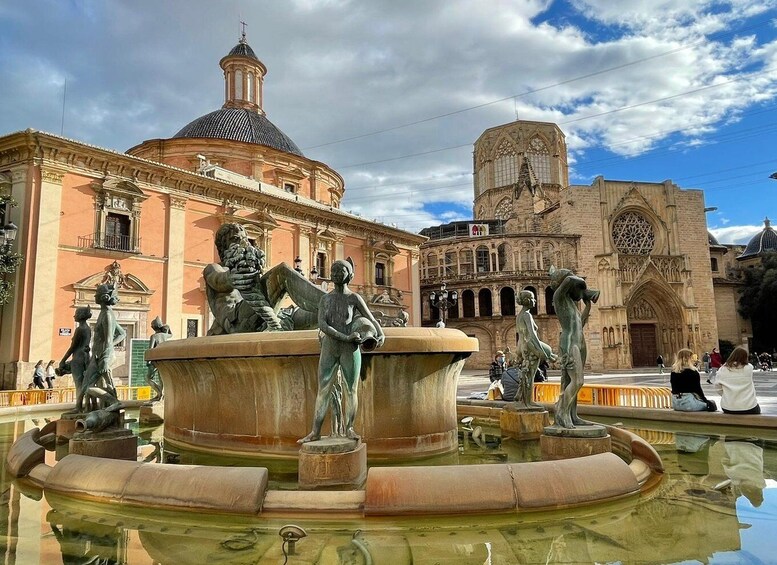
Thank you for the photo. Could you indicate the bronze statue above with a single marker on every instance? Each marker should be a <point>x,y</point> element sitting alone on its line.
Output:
<point>531,351</point>
<point>569,289</point>
<point>345,323</point>
<point>161,334</point>
<point>98,390</point>
<point>245,298</point>
<point>79,350</point>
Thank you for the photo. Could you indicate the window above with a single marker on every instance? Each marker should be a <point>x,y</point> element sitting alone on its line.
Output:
<point>539,157</point>
<point>505,165</point>
<point>502,254</point>
<point>484,302</point>
<point>117,232</point>
<point>507,301</point>
<point>250,88</point>
<point>633,234</point>
<point>450,264</point>
<point>504,209</point>
<point>238,85</point>
<point>714,264</point>
<point>380,274</point>
<point>465,261</point>
<point>483,259</point>
<point>290,187</point>
<point>549,309</point>
<point>321,265</point>
<point>468,303</point>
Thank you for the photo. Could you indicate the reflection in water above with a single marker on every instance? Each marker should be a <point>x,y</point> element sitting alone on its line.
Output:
<point>743,463</point>
<point>685,519</point>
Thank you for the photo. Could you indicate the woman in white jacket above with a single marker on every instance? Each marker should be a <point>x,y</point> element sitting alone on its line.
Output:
<point>735,381</point>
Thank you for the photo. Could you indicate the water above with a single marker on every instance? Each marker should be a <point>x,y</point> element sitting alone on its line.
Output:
<point>716,504</point>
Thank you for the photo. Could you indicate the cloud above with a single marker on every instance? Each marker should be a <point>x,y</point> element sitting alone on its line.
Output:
<point>339,69</point>
<point>735,234</point>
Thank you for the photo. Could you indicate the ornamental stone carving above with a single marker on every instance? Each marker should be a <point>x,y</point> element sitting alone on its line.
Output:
<point>633,234</point>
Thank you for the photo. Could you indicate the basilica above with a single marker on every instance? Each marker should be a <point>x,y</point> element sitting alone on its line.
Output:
<point>663,279</point>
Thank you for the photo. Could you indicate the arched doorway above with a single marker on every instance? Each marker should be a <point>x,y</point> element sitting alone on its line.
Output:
<point>655,325</point>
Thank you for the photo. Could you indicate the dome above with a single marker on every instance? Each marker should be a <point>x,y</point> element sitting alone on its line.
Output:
<point>240,124</point>
<point>242,49</point>
<point>765,240</point>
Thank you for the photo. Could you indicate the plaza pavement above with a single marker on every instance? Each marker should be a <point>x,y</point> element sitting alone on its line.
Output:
<point>765,384</point>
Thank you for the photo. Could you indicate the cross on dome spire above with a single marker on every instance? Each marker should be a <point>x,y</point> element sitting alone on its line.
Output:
<point>243,31</point>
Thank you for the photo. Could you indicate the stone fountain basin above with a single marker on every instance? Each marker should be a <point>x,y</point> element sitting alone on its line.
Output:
<point>254,394</point>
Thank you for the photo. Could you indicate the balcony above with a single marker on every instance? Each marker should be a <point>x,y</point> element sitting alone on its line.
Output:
<point>485,275</point>
<point>121,243</point>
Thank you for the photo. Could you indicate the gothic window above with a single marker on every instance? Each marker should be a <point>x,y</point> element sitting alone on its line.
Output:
<point>633,234</point>
<point>482,179</point>
<point>503,209</point>
<point>483,259</point>
<point>548,256</point>
<point>539,157</point>
<point>527,258</point>
<point>481,212</point>
<point>505,165</point>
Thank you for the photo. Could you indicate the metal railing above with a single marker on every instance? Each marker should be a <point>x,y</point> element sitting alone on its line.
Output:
<point>105,241</point>
<point>610,395</point>
<point>29,397</point>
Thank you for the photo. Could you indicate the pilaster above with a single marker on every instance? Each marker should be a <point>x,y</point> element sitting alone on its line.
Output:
<point>45,234</point>
<point>176,238</point>
<point>415,288</point>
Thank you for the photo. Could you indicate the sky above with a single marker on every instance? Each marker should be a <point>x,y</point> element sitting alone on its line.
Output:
<point>392,94</point>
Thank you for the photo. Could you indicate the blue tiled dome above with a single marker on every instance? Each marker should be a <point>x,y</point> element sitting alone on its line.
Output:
<point>240,124</point>
<point>765,240</point>
<point>242,49</point>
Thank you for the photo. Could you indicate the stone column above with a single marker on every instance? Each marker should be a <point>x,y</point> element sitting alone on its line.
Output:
<point>176,238</point>
<point>44,232</point>
<point>340,251</point>
<point>303,249</point>
<point>415,287</point>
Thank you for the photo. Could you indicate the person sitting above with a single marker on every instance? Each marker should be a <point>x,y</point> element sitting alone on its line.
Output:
<point>498,367</point>
<point>687,395</point>
<point>735,381</point>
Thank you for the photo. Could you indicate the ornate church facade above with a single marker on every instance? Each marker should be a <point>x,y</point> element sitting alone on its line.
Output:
<point>644,245</point>
<point>146,219</point>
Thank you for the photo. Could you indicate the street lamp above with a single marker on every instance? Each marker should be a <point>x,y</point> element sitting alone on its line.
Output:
<point>298,265</point>
<point>8,235</point>
<point>314,274</point>
<point>9,261</point>
<point>443,301</point>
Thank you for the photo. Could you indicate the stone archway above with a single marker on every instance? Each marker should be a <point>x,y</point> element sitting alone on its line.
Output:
<point>655,324</point>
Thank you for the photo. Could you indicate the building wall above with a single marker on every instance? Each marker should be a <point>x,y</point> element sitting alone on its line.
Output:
<point>61,204</point>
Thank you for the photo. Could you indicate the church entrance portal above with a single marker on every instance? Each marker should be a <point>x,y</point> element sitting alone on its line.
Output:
<point>643,345</point>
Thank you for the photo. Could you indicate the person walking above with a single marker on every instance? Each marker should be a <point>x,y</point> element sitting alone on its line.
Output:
<point>735,381</point>
<point>715,362</point>
<point>50,374</point>
<point>705,362</point>
<point>37,377</point>
<point>687,395</point>
<point>660,363</point>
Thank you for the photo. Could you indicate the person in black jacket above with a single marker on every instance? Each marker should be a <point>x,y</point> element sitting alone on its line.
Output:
<point>687,395</point>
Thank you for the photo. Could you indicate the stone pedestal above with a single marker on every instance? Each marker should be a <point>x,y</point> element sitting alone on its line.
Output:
<point>116,443</point>
<point>331,462</point>
<point>152,414</point>
<point>522,424</point>
<point>555,447</point>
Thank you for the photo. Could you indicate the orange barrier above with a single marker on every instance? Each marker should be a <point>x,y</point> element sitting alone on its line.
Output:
<point>610,395</point>
<point>64,395</point>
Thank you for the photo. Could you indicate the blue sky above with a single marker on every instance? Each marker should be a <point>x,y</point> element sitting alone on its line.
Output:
<point>644,90</point>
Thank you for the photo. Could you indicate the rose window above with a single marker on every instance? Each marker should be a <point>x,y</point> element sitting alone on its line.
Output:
<point>504,209</point>
<point>633,234</point>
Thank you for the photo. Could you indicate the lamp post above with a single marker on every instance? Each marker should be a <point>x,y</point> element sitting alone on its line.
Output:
<point>9,260</point>
<point>443,301</point>
<point>298,265</point>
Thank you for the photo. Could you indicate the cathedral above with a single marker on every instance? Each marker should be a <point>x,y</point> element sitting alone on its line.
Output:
<point>644,245</point>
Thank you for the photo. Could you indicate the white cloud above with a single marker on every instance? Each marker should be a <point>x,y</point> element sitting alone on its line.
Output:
<point>735,234</point>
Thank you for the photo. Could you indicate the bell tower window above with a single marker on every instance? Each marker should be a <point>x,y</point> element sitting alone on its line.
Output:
<point>238,84</point>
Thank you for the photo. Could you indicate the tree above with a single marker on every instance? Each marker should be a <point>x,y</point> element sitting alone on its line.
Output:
<point>758,302</point>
